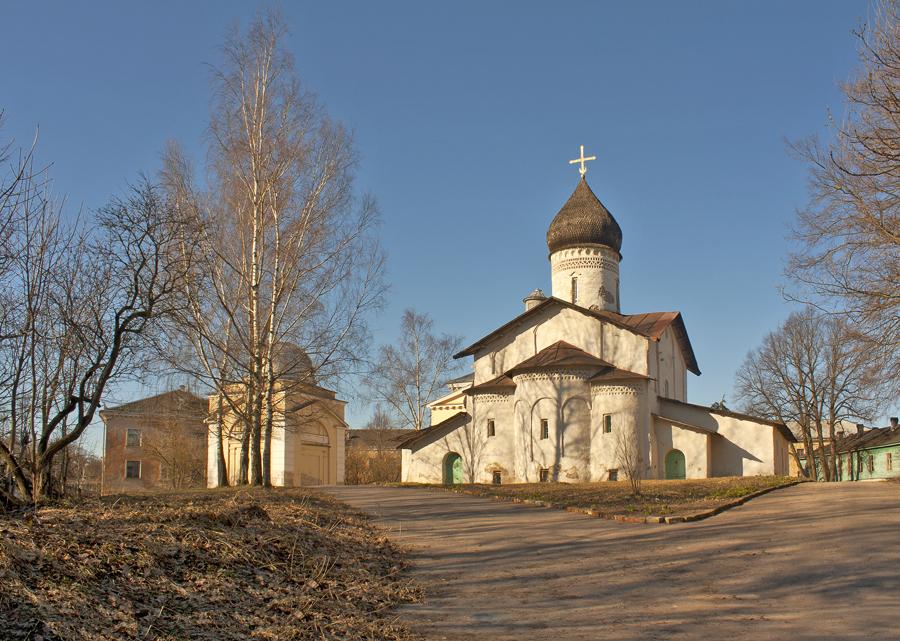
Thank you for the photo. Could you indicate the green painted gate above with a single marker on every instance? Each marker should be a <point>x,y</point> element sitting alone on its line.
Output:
<point>453,472</point>
<point>675,465</point>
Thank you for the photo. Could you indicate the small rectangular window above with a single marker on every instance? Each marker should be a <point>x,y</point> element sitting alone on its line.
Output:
<point>574,289</point>
<point>545,475</point>
<point>801,453</point>
<point>614,475</point>
<point>132,469</point>
<point>133,437</point>
<point>888,461</point>
<point>495,478</point>
<point>607,423</point>
<point>545,428</point>
<point>870,464</point>
<point>490,427</point>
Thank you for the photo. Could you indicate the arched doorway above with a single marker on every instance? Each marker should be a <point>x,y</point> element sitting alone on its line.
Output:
<point>453,472</point>
<point>675,465</point>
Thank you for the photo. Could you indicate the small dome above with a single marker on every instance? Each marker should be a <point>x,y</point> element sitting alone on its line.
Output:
<point>583,220</point>
<point>290,362</point>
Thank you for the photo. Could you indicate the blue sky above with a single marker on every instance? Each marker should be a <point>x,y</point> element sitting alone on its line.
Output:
<point>465,115</point>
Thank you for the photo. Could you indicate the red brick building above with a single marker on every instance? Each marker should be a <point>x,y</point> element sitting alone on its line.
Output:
<point>157,442</point>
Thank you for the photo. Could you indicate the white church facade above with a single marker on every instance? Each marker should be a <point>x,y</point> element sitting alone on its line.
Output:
<point>574,390</point>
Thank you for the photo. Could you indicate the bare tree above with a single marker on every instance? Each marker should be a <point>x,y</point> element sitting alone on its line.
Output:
<point>850,233</point>
<point>630,459</point>
<point>814,372</point>
<point>409,375</point>
<point>377,460</point>
<point>176,448</point>
<point>290,256</point>
<point>78,302</point>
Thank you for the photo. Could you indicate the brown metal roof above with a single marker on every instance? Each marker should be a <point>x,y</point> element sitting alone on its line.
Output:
<point>501,383</point>
<point>651,325</point>
<point>559,354</point>
<point>457,419</point>
<point>616,374</point>
<point>877,437</point>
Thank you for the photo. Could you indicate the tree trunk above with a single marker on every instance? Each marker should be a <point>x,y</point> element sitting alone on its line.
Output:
<point>823,454</point>
<point>221,467</point>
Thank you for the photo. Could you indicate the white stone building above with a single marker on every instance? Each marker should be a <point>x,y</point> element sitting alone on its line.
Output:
<point>572,389</point>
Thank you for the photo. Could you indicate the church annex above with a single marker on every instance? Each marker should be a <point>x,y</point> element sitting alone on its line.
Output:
<point>574,390</point>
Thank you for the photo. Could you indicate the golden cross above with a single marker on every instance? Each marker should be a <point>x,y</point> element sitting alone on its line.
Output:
<point>582,170</point>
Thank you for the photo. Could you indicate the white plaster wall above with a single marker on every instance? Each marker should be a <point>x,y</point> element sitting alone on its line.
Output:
<point>742,448</point>
<point>554,396</point>
<point>627,405</point>
<point>282,465</point>
<point>425,464</point>
<point>696,446</point>
<point>340,445</point>
<point>212,448</point>
<point>497,452</point>
<point>668,366</point>
<point>597,270</point>
<point>622,348</point>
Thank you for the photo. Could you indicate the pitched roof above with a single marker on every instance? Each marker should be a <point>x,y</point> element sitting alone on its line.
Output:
<point>559,354</point>
<point>501,383</point>
<point>781,427</point>
<point>178,401</point>
<point>583,220</point>
<point>368,438</point>
<point>418,435</point>
<point>877,437</point>
<point>465,378</point>
<point>650,325</point>
<point>615,374</point>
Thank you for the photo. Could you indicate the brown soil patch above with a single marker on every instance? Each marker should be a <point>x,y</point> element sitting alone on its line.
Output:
<point>230,564</point>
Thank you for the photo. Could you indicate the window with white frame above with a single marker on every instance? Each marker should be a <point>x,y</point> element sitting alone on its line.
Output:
<point>132,437</point>
<point>132,469</point>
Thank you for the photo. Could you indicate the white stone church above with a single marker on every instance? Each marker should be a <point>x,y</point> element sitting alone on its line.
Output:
<point>574,390</point>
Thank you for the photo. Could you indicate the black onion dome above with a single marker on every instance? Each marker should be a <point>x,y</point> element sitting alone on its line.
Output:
<point>583,220</point>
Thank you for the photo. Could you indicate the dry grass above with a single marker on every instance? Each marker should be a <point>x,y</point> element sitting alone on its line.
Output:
<point>229,564</point>
<point>657,498</point>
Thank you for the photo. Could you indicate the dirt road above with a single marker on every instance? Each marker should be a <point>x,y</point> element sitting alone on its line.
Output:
<point>810,562</point>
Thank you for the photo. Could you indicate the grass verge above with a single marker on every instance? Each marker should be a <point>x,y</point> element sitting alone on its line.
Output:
<point>223,564</point>
<point>612,499</point>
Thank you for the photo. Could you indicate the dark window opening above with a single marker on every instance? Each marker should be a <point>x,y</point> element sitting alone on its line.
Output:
<point>490,428</point>
<point>607,424</point>
<point>495,479</point>
<point>132,469</point>
<point>545,475</point>
<point>614,475</point>
<point>545,428</point>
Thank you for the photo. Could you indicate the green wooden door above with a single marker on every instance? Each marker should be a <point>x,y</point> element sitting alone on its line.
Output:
<point>675,465</point>
<point>453,469</point>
